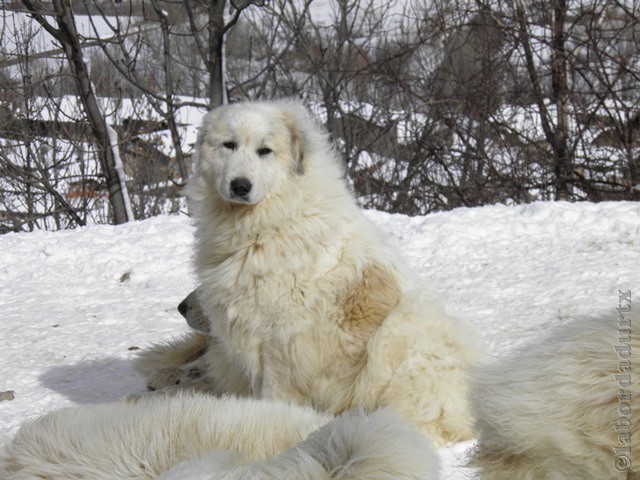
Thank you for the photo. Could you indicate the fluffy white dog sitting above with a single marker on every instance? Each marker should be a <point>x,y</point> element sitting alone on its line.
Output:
<point>562,409</point>
<point>307,300</point>
<point>200,437</point>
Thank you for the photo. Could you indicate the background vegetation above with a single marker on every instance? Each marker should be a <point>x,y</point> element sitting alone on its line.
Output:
<point>435,104</point>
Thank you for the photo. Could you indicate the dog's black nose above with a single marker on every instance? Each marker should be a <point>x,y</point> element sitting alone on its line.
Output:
<point>182,308</point>
<point>240,186</point>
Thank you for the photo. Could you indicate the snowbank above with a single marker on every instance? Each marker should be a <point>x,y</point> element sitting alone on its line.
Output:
<point>76,304</point>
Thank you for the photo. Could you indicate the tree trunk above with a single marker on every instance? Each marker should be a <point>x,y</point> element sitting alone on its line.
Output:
<point>563,168</point>
<point>170,115</point>
<point>215,64</point>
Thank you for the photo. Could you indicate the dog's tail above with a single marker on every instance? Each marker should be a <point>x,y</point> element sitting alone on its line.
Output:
<point>375,446</point>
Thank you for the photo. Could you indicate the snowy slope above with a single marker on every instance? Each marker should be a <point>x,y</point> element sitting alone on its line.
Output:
<point>74,303</point>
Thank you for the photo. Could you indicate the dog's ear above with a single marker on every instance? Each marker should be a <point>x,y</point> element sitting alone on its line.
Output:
<point>296,140</point>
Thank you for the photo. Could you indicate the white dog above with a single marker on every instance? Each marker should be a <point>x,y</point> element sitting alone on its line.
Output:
<point>562,409</point>
<point>200,437</point>
<point>307,299</point>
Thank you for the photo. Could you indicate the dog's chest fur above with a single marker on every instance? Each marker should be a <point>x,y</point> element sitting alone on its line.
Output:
<point>287,299</point>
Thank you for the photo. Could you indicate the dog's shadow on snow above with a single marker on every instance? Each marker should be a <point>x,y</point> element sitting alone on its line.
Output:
<point>94,381</point>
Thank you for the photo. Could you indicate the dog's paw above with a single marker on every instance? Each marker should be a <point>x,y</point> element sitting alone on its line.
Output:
<point>171,380</point>
<point>173,390</point>
<point>167,377</point>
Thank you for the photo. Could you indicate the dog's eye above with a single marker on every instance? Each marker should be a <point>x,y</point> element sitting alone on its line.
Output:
<point>264,151</point>
<point>229,145</point>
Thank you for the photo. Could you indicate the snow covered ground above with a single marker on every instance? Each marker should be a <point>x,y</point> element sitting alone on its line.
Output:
<point>75,305</point>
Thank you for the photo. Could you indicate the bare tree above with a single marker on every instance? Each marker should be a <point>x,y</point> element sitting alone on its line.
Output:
<point>106,147</point>
<point>554,131</point>
<point>37,157</point>
<point>123,49</point>
<point>212,51</point>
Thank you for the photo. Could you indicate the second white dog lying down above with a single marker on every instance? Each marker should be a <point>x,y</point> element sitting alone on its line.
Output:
<point>563,408</point>
<point>215,438</point>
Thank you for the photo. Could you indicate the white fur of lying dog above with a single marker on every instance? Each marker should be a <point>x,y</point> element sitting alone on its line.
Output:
<point>199,437</point>
<point>376,446</point>
<point>564,408</point>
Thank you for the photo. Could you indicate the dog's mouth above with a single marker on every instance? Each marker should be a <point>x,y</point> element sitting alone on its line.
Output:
<point>245,200</point>
<point>237,200</point>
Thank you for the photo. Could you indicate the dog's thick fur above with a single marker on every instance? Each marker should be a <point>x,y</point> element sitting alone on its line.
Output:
<point>205,437</point>
<point>556,411</point>
<point>378,446</point>
<point>308,302</point>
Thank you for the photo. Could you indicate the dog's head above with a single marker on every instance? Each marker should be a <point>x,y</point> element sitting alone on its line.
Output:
<point>246,151</point>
